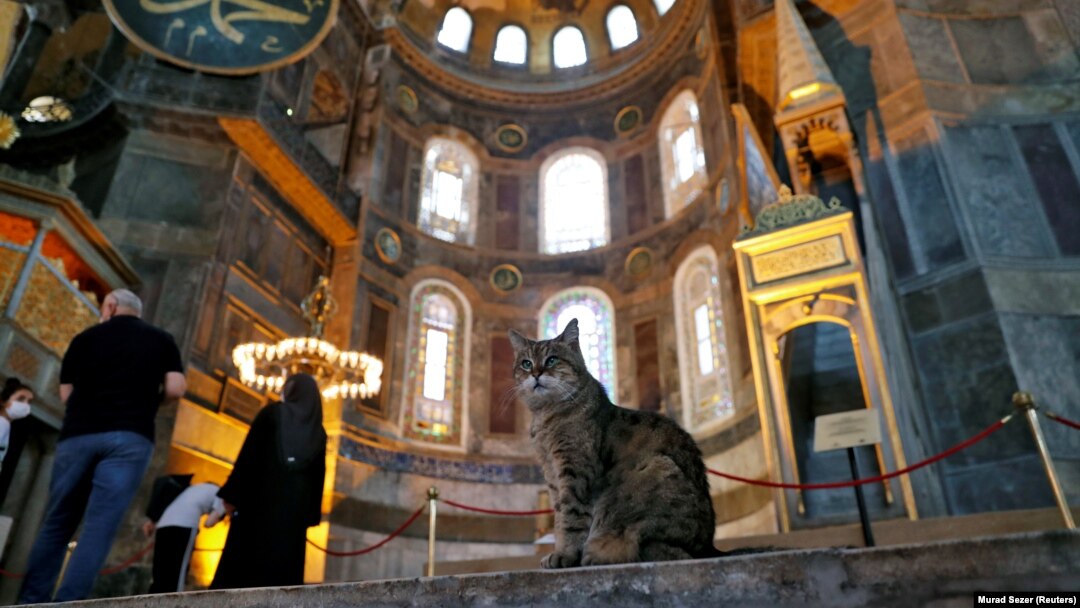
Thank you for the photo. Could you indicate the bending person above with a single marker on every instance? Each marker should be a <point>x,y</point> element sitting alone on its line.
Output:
<point>175,531</point>
<point>274,493</point>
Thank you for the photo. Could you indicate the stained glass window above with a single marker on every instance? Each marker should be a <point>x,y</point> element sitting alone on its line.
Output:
<point>575,202</point>
<point>596,328</point>
<point>568,47</point>
<point>682,154</point>
<point>456,29</point>
<point>621,26</point>
<point>438,334</point>
<point>702,350</point>
<point>449,191</point>
<point>511,45</point>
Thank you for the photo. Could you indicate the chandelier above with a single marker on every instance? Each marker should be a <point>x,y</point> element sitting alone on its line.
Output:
<point>339,373</point>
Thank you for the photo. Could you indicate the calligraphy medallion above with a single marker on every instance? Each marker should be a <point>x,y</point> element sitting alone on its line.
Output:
<point>225,36</point>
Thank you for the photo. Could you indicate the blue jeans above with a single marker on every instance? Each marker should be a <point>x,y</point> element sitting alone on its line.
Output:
<point>95,475</point>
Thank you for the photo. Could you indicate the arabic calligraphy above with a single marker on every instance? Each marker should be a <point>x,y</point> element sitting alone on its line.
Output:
<point>225,36</point>
<point>257,11</point>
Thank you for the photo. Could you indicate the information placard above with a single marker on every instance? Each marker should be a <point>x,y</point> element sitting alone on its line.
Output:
<point>847,430</point>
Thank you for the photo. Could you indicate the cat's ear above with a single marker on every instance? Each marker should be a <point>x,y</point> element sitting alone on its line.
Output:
<point>518,341</point>
<point>570,334</point>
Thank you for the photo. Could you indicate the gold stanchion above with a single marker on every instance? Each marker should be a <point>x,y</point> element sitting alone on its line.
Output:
<point>63,567</point>
<point>433,497</point>
<point>1024,401</point>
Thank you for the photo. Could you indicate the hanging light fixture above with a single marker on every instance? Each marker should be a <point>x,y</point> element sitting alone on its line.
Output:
<point>339,373</point>
<point>47,109</point>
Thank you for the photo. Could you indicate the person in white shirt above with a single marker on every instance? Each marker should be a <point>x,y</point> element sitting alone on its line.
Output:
<point>174,534</point>
<point>15,398</point>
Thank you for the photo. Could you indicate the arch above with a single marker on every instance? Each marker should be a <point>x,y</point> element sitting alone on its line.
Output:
<point>573,201</point>
<point>682,152</point>
<point>511,45</point>
<point>622,27</point>
<point>596,328</point>
<point>703,362</point>
<point>437,364</point>
<point>456,30</point>
<point>568,47</point>
<point>449,191</point>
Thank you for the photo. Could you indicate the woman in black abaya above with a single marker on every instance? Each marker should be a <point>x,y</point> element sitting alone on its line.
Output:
<point>275,491</point>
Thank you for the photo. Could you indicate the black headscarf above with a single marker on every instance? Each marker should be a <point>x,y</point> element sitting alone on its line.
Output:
<point>302,435</point>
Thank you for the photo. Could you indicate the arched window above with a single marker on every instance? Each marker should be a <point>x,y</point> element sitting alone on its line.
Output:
<point>436,367</point>
<point>574,201</point>
<point>662,6</point>
<point>456,29</point>
<point>569,47</point>
<point>596,328</point>
<point>699,322</point>
<point>621,27</point>
<point>449,191</point>
<point>511,45</point>
<point>682,152</point>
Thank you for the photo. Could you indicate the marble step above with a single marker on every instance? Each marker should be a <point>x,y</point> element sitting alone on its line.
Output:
<point>937,574</point>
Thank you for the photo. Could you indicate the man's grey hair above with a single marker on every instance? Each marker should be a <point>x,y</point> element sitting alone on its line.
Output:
<point>127,300</point>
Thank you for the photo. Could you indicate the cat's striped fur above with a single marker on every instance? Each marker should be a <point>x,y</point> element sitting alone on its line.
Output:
<point>627,485</point>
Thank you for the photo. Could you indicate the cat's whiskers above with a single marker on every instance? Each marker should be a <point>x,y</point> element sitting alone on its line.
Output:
<point>508,397</point>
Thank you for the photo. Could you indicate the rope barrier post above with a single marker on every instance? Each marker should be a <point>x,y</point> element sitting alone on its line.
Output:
<point>433,497</point>
<point>63,567</point>
<point>1024,402</point>
<point>864,517</point>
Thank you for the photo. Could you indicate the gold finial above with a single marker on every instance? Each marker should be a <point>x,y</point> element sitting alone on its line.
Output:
<point>1023,401</point>
<point>318,307</point>
<point>433,493</point>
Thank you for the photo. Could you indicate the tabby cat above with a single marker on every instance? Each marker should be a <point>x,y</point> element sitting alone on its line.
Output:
<point>627,485</point>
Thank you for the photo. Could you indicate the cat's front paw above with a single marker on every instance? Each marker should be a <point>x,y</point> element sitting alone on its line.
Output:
<point>561,559</point>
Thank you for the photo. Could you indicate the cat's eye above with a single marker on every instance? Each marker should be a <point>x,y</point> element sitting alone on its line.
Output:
<point>526,365</point>
<point>551,361</point>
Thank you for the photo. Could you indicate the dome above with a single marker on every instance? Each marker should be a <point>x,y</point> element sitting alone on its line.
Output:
<point>540,45</point>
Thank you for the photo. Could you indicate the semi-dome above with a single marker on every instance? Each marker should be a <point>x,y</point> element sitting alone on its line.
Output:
<point>540,44</point>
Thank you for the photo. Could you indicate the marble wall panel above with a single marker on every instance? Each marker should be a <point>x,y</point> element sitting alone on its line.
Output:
<point>991,191</point>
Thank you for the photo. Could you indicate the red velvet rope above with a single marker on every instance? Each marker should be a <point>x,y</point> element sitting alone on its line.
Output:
<point>1065,421</point>
<point>858,482</point>
<point>393,534</point>
<point>111,570</point>
<point>496,511</point>
<point>130,561</point>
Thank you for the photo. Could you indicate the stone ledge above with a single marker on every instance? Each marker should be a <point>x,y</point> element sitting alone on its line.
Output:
<point>932,574</point>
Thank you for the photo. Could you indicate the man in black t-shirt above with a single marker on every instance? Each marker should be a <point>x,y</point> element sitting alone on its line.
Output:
<point>112,380</point>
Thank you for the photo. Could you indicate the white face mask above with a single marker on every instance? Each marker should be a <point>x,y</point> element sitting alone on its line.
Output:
<point>18,409</point>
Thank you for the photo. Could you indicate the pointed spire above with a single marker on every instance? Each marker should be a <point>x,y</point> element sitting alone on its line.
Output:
<point>802,72</point>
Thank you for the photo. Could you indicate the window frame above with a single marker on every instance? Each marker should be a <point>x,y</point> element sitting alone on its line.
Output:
<point>605,302</point>
<point>468,36</point>
<point>414,369</point>
<point>678,192</point>
<point>702,259</point>
<point>545,168</point>
<point>633,19</point>
<point>495,48</point>
<point>428,220</point>
<point>584,44</point>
